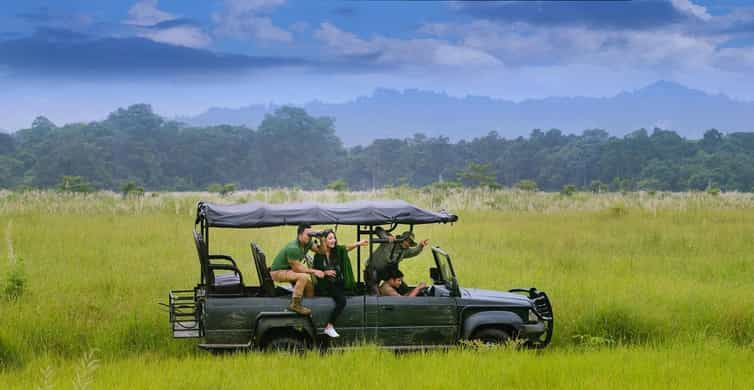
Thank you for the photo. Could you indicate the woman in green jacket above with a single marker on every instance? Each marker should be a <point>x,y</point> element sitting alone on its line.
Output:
<point>333,260</point>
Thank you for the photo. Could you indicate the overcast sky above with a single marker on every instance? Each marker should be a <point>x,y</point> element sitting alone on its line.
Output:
<point>78,60</point>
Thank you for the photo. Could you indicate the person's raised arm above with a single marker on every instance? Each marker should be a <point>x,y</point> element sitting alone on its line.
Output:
<point>415,250</point>
<point>351,247</point>
<point>382,234</point>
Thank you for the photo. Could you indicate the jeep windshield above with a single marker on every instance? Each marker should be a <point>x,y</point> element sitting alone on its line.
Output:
<point>445,268</point>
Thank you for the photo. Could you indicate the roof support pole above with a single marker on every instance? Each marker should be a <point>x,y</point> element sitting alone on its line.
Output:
<point>358,254</point>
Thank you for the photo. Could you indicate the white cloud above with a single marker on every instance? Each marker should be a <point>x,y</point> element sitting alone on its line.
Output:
<point>343,42</point>
<point>145,13</point>
<point>146,17</point>
<point>392,51</point>
<point>241,19</point>
<point>522,44</point>
<point>692,9</point>
<point>181,35</point>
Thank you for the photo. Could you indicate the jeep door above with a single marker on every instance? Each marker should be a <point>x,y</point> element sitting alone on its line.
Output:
<point>406,321</point>
<point>350,324</point>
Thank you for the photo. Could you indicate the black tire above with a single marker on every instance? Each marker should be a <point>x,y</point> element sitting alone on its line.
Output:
<point>285,343</point>
<point>492,336</point>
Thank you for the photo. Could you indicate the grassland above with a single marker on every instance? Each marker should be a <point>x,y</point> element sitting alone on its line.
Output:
<point>649,290</point>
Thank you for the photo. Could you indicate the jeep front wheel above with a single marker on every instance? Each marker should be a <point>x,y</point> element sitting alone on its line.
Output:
<point>285,343</point>
<point>491,336</point>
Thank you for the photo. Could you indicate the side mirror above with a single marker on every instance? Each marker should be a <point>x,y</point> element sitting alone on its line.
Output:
<point>434,274</point>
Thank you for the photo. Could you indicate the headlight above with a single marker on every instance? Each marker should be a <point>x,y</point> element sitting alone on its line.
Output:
<point>533,317</point>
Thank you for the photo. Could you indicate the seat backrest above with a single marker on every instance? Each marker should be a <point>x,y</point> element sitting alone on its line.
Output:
<point>372,283</point>
<point>263,273</point>
<point>202,252</point>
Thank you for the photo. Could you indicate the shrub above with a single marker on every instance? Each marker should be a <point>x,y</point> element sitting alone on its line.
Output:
<point>713,190</point>
<point>131,189</point>
<point>339,185</point>
<point>598,187</point>
<point>568,190</point>
<point>527,185</point>
<point>228,188</point>
<point>593,342</point>
<point>444,185</point>
<point>9,356</point>
<point>15,281</point>
<point>222,189</point>
<point>74,184</point>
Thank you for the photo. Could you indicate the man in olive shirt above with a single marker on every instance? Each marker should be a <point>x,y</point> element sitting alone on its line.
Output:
<point>287,267</point>
<point>388,255</point>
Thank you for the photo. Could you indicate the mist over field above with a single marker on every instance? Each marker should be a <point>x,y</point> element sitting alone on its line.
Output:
<point>389,113</point>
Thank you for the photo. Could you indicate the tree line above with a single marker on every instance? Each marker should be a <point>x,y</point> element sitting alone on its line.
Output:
<point>134,147</point>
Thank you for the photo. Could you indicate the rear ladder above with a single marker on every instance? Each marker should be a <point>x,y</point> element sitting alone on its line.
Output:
<point>185,313</point>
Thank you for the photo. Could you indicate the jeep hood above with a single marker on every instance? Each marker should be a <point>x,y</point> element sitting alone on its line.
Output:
<point>502,297</point>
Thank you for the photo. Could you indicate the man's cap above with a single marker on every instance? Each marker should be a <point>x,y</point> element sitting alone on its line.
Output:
<point>407,236</point>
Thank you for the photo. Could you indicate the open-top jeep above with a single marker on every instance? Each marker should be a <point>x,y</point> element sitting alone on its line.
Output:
<point>226,313</point>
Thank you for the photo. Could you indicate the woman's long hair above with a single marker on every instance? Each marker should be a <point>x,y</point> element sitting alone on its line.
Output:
<point>333,253</point>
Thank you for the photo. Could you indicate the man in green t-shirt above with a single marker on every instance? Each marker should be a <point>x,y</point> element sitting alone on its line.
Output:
<point>287,267</point>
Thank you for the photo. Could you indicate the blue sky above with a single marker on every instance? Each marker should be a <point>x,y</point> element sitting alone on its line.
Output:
<point>79,60</point>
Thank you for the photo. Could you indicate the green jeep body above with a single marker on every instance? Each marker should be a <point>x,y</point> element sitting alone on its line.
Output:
<point>227,314</point>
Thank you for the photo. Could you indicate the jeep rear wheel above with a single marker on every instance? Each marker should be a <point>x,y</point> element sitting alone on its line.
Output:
<point>491,336</point>
<point>285,343</point>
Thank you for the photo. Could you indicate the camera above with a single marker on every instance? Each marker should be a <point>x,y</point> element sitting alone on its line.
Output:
<point>317,234</point>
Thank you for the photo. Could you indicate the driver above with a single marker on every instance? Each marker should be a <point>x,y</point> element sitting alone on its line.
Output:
<point>393,282</point>
<point>388,255</point>
<point>287,267</point>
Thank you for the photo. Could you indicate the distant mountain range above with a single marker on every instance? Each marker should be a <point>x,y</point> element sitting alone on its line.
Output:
<point>399,114</point>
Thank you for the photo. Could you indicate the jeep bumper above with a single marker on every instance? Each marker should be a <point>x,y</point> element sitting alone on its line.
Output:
<point>537,334</point>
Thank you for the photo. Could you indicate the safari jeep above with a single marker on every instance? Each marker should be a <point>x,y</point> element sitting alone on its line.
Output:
<point>225,312</point>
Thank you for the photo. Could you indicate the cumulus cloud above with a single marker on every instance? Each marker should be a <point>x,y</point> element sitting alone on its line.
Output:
<point>685,37</point>
<point>691,9</point>
<point>244,19</point>
<point>59,54</point>
<point>391,51</point>
<point>164,27</point>
<point>145,13</point>
<point>611,14</point>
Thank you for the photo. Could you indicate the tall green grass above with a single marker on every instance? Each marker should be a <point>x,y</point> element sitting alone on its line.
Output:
<point>706,366</point>
<point>642,286</point>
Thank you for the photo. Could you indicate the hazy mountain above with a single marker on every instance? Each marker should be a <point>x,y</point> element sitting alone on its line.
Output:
<point>391,113</point>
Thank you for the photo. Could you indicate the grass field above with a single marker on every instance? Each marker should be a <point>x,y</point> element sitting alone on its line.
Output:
<point>649,290</point>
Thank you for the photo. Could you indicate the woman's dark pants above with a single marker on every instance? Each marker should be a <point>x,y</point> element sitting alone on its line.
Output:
<point>335,288</point>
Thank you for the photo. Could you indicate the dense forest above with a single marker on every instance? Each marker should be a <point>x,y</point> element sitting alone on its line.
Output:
<point>136,147</point>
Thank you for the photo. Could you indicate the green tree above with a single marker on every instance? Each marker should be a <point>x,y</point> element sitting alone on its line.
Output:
<point>527,185</point>
<point>131,189</point>
<point>478,175</point>
<point>338,185</point>
<point>598,186</point>
<point>568,190</point>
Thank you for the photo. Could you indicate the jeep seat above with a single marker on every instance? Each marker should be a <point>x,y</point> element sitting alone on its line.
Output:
<point>263,272</point>
<point>228,282</point>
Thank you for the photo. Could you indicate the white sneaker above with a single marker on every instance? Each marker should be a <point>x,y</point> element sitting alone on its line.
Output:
<point>330,331</point>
